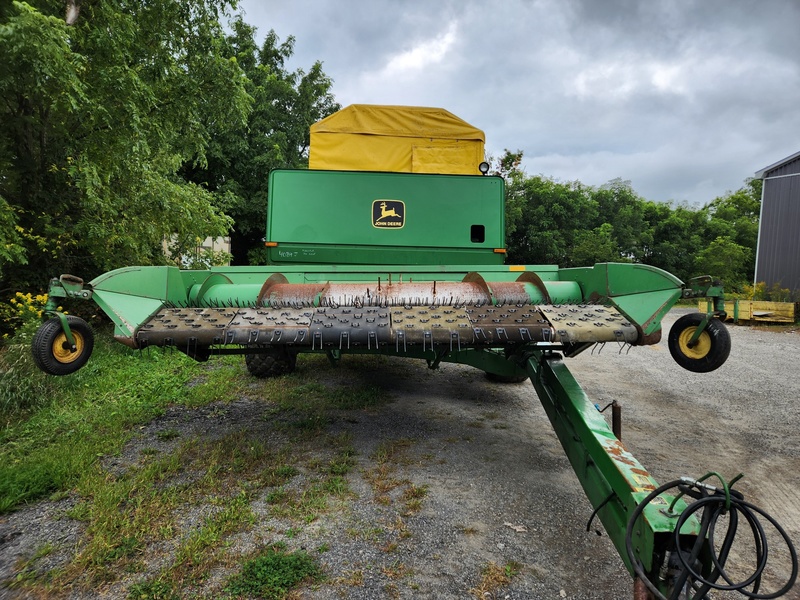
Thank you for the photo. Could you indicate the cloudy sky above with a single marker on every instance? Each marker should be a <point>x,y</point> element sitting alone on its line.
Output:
<point>684,98</point>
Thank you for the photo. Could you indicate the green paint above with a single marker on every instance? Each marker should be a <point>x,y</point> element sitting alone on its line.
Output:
<point>432,219</point>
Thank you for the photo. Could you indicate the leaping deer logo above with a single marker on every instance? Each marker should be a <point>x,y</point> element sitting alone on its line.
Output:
<point>388,214</point>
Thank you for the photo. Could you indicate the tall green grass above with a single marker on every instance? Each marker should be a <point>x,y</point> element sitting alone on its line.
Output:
<point>55,428</point>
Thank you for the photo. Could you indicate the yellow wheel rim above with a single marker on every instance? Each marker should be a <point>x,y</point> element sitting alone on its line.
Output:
<point>701,348</point>
<point>62,351</point>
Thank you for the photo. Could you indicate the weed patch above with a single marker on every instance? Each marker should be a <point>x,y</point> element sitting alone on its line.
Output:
<point>274,574</point>
<point>494,578</point>
<point>153,590</point>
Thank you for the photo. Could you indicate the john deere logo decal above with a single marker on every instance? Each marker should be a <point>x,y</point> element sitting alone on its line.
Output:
<point>388,213</point>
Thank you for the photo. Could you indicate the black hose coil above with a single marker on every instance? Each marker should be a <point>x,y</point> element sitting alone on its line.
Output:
<point>714,503</point>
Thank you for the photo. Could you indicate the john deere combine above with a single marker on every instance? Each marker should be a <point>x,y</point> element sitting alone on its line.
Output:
<point>393,242</point>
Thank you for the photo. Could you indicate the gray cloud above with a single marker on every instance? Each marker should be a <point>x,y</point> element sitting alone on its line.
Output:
<point>685,98</point>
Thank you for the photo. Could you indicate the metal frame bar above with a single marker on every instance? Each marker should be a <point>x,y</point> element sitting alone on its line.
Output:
<point>612,478</point>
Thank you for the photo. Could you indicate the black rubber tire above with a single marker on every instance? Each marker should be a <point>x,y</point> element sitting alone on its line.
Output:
<point>270,364</point>
<point>52,353</point>
<point>712,347</point>
<point>495,378</point>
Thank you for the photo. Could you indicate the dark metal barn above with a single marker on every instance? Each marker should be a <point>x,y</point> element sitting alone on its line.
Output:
<point>778,250</point>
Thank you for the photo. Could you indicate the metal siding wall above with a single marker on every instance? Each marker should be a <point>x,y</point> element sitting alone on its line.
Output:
<point>789,168</point>
<point>779,231</point>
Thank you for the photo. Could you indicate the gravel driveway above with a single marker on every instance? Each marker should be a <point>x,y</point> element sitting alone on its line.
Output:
<point>497,486</point>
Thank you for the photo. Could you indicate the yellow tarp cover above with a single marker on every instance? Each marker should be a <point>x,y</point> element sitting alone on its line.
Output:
<point>410,139</point>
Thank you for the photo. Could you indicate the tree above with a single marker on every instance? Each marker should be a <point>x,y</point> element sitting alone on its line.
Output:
<point>676,237</point>
<point>552,212</point>
<point>734,218</point>
<point>595,246</point>
<point>725,259</point>
<point>276,134</point>
<point>95,121</point>
<point>542,215</point>
<point>623,210</point>
<point>569,224</point>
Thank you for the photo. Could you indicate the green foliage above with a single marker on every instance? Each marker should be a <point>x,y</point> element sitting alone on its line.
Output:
<point>20,311</point>
<point>759,291</point>
<point>570,224</point>
<point>11,247</point>
<point>276,134</point>
<point>96,119</point>
<point>23,387</point>
<point>153,590</point>
<point>597,245</point>
<point>274,574</point>
<point>56,427</point>
<point>726,260</point>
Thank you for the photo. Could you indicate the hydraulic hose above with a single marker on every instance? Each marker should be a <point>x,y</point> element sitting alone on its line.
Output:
<point>710,504</point>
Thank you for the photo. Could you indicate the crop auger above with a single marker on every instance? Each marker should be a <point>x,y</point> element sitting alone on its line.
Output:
<point>393,243</point>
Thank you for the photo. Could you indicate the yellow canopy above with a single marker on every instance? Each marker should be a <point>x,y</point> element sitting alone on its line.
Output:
<point>410,139</point>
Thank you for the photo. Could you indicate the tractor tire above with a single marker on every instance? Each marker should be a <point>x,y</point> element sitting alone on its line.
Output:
<point>270,364</point>
<point>51,351</point>
<point>495,378</point>
<point>709,352</point>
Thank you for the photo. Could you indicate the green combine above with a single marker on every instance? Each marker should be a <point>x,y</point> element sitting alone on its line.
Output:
<point>393,243</point>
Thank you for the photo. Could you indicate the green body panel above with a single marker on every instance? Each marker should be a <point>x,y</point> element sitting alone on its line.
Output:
<point>131,295</point>
<point>327,217</point>
<point>127,312</point>
<point>641,292</point>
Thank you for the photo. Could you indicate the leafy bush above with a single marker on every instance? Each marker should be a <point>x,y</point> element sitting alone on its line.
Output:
<point>759,291</point>
<point>273,574</point>
<point>21,310</point>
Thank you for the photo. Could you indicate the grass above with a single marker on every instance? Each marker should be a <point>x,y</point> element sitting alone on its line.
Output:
<point>194,495</point>
<point>56,428</point>
<point>273,574</point>
<point>494,578</point>
<point>386,486</point>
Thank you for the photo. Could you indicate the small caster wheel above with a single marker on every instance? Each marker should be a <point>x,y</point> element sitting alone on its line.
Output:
<point>52,352</point>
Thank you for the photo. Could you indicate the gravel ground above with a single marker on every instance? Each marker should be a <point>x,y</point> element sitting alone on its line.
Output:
<point>499,488</point>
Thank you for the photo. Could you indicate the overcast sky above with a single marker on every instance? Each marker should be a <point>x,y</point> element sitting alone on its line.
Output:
<point>684,98</point>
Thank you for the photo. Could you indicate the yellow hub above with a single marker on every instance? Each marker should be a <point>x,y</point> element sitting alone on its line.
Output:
<point>701,347</point>
<point>61,348</point>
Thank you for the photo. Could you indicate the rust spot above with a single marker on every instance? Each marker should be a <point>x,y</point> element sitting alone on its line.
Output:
<point>271,281</point>
<point>71,279</point>
<point>128,341</point>
<point>531,277</point>
<point>647,340</point>
<point>291,293</point>
<point>595,298</point>
<point>509,292</point>
<point>640,591</point>
<point>617,451</point>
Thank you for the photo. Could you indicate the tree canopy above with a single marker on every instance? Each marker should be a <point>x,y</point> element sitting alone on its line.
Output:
<point>571,224</point>
<point>125,124</point>
<point>274,136</point>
